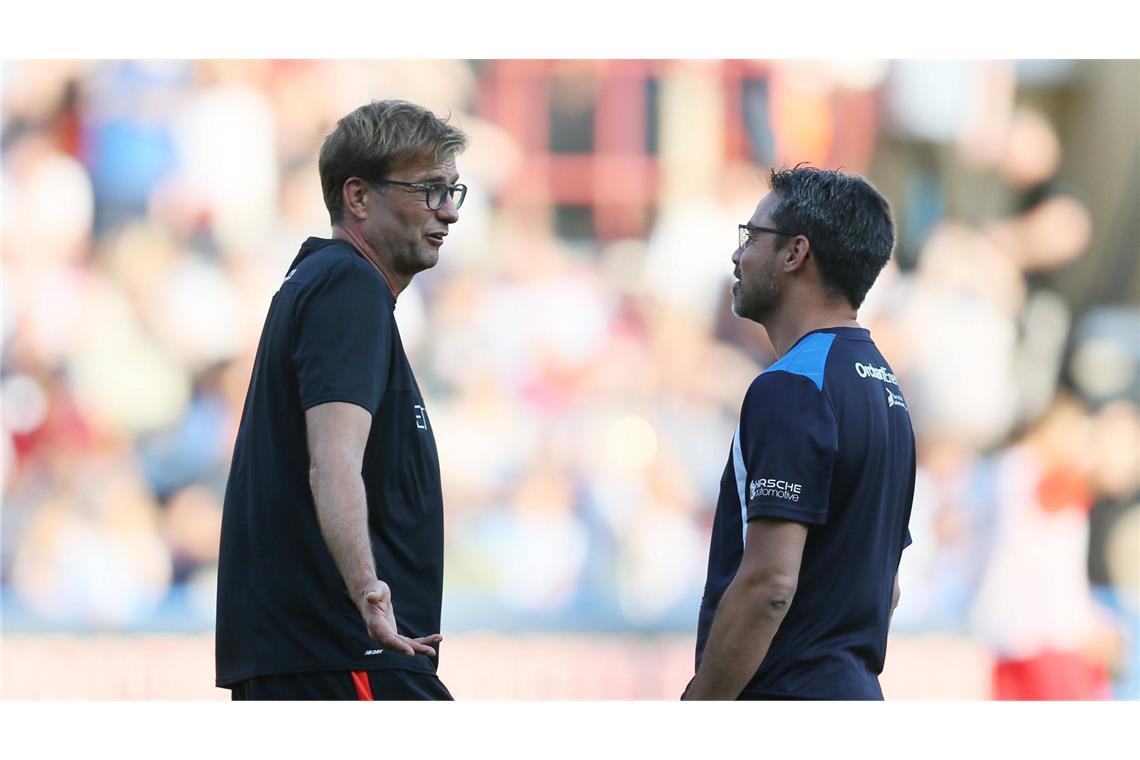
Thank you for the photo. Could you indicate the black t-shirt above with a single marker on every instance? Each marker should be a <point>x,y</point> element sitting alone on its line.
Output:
<point>282,604</point>
<point>824,439</point>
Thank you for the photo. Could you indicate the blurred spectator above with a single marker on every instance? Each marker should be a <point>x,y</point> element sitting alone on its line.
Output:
<point>128,141</point>
<point>91,552</point>
<point>1035,606</point>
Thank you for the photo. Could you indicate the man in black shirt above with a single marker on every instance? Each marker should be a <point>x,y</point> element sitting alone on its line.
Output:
<point>816,494</point>
<point>331,568</point>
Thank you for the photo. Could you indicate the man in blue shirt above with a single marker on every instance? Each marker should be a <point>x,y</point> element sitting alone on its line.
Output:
<point>816,496</point>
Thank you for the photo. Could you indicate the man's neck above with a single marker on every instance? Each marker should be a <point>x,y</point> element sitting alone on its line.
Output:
<point>784,329</point>
<point>396,284</point>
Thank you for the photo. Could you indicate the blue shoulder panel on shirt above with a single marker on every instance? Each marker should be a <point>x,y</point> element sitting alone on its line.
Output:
<point>807,358</point>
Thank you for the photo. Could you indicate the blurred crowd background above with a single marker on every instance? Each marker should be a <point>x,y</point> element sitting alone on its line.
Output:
<point>575,343</point>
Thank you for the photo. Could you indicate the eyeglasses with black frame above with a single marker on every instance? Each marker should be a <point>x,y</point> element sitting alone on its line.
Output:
<point>745,236</point>
<point>435,193</point>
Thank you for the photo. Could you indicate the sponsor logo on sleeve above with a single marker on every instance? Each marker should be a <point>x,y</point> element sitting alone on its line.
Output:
<point>421,417</point>
<point>894,399</point>
<point>879,373</point>
<point>774,488</point>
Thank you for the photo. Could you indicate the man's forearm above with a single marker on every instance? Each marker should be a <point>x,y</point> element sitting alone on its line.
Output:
<point>342,512</point>
<point>746,621</point>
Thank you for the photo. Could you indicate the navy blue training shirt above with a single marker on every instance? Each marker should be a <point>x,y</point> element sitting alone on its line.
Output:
<point>824,439</point>
<point>330,335</point>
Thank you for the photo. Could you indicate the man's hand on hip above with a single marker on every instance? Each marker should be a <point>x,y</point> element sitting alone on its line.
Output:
<point>380,619</point>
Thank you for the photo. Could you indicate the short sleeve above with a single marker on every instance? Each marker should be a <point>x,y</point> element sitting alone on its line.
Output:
<point>342,339</point>
<point>788,443</point>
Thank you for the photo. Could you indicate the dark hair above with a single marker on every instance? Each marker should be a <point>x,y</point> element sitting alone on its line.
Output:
<point>379,138</point>
<point>847,221</point>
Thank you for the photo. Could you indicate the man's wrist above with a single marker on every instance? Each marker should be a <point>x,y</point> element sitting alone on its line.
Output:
<point>365,588</point>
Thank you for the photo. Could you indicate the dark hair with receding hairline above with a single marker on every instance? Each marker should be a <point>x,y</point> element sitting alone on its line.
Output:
<point>847,221</point>
<point>379,138</point>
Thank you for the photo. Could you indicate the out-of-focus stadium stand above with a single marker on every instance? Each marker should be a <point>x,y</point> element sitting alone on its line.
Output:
<point>577,350</point>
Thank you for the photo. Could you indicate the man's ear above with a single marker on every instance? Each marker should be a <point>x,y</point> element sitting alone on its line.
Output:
<point>796,254</point>
<point>353,194</point>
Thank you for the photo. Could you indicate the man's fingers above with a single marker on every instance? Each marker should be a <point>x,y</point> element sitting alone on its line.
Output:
<point>429,639</point>
<point>410,647</point>
<point>400,644</point>
<point>421,648</point>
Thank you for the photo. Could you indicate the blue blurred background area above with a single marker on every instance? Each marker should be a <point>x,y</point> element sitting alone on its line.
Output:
<point>576,347</point>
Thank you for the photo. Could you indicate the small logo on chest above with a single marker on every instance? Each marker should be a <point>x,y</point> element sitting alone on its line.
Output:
<point>421,416</point>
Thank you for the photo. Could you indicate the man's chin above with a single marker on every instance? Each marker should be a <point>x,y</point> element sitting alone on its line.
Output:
<point>739,308</point>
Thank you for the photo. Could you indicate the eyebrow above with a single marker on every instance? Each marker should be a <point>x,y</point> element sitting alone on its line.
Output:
<point>438,177</point>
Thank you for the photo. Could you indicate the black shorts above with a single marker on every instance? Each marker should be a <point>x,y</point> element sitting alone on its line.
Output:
<point>367,685</point>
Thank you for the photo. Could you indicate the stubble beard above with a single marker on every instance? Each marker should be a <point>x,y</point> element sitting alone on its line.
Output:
<point>759,301</point>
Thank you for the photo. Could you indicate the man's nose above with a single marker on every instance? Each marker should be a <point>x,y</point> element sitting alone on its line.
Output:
<point>448,212</point>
